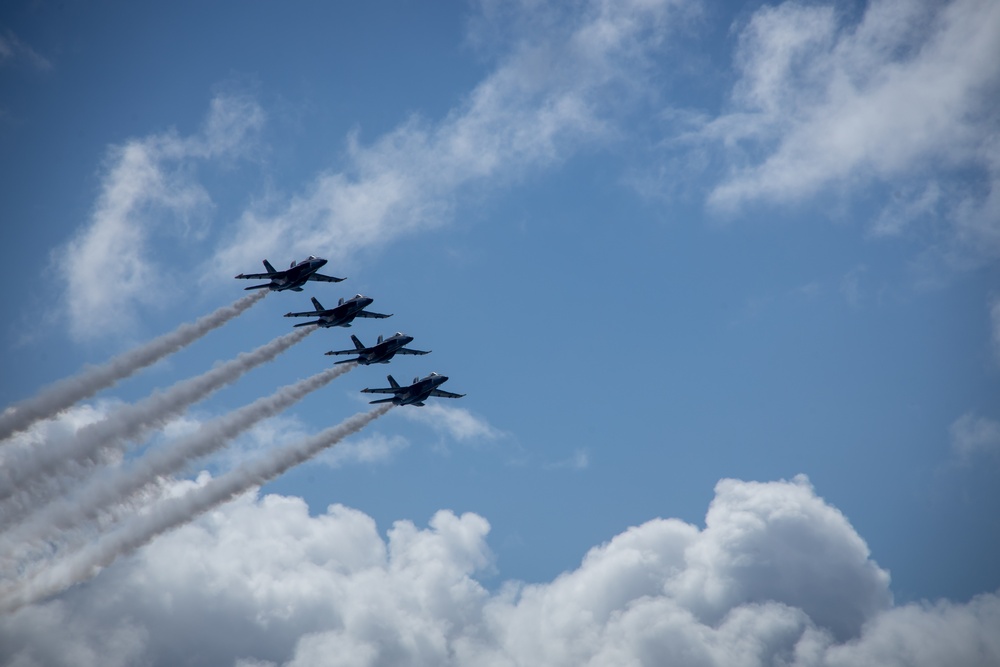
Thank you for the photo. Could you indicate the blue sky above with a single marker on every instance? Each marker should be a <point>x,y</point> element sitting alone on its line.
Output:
<point>658,244</point>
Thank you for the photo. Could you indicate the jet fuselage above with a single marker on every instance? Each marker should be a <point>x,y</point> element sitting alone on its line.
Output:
<point>343,314</point>
<point>420,390</point>
<point>383,352</point>
<point>296,275</point>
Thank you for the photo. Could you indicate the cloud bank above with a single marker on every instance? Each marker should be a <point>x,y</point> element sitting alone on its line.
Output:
<point>776,577</point>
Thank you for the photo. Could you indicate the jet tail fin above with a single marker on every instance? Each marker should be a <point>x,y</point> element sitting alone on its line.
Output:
<point>267,265</point>
<point>357,343</point>
<point>256,287</point>
<point>383,400</point>
<point>392,382</point>
<point>318,305</point>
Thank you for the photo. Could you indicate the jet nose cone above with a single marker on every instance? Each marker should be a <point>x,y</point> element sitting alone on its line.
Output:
<point>319,261</point>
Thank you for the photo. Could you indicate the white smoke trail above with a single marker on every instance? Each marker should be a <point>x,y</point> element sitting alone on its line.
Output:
<point>101,491</point>
<point>174,512</point>
<point>24,471</point>
<point>61,395</point>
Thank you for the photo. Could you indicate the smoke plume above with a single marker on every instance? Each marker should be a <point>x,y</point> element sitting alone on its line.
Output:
<point>56,398</point>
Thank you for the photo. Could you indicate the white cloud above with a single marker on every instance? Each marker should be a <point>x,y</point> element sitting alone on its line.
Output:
<point>14,50</point>
<point>777,576</point>
<point>375,448</point>
<point>906,92</point>
<point>972,435</point>
<point>458,423</point>
<point>580,460</point>
<point>146,194</point>
<point>559,88</point>
<point>850,285</point>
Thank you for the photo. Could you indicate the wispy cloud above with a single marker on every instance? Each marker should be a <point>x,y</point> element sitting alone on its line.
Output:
<point>973,436</point>
<point>376,448</point>
<point>850,285</point>
<point>580,460</point>
<point>558,90</point>
<point>457,423</point>
<point>147,191</point>
<point>906,92</point>
<point>14,50</point>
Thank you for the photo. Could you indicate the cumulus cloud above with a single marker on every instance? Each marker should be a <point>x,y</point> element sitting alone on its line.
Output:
<point>906,92</point>
<point>555,91</point>
<point>147,192</point>
<point>776,576</point>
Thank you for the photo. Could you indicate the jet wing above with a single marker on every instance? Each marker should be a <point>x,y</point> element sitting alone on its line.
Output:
<point>441,393</point>
<point>257,276</point>
<point>319,277</point>
<point>308,313</point>
<point>404,350</point>
<point>366,350</point>
<point>386,390</point>
<point>365,313</point>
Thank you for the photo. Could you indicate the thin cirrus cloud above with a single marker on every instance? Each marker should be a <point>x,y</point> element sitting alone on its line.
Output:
<point>14,51</point>
<point>458,423</point>
<point>776,576</point>
<point>974,436</point>
<point>905,97</point>
<point>146,191</point>
<point>553,93</point>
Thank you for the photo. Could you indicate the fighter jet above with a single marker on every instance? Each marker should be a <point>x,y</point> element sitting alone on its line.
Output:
<point>293,278</point>
<point>381,352</point>
<point>340,315</point>
<point>416,393</point>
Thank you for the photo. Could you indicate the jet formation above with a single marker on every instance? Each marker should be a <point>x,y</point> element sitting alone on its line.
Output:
<point>342,315</point>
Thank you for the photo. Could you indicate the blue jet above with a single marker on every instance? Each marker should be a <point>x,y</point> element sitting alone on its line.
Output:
<point>293,278</point>
<point>340,315</point>
<point>416,393</point>
<point>381,352</point>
